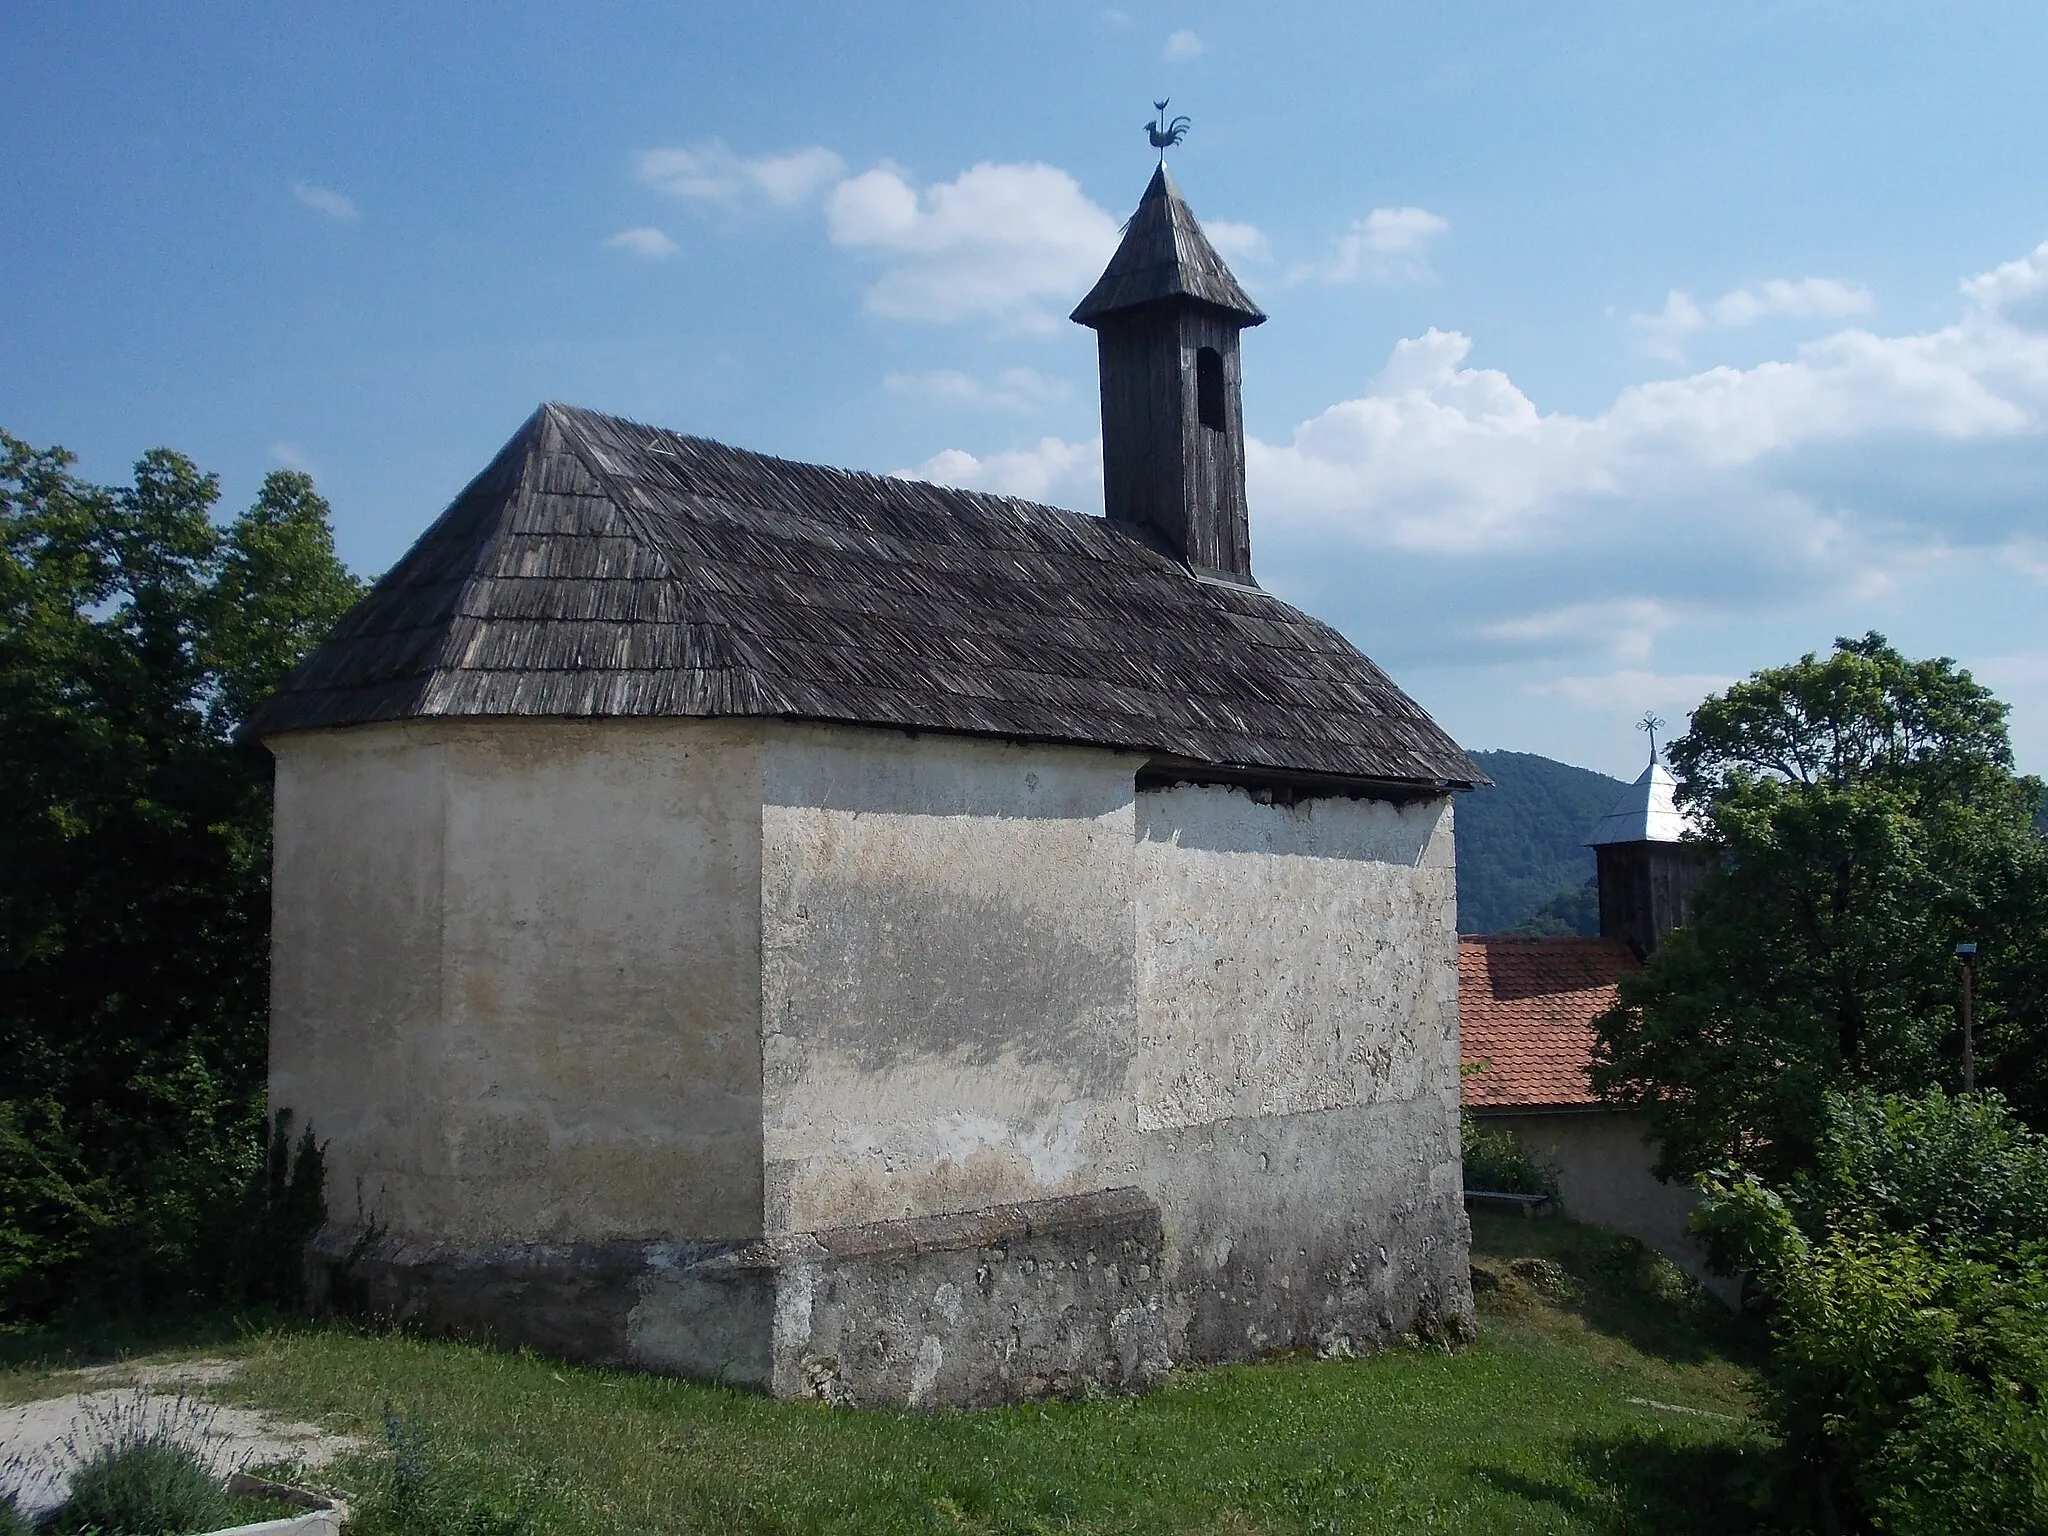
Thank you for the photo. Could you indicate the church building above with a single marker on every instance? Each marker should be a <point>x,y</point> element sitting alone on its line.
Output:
<point>872,941</point>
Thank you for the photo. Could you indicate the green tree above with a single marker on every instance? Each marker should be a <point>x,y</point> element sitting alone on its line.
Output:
<point>1866,816</point>
<point>1906,1277</point>
<point>135,635</point>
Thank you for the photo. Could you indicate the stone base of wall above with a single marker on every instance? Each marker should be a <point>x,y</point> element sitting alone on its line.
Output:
<point>1045,1298</point>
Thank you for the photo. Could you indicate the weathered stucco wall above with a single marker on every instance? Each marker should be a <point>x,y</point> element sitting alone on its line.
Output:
<point>355,954</point>
<point>994,974</point>
<point>583,1009</point>
<point>947,1001</point>
<point>1603,1161</point>
<point>1295,1088</point>
<point>515,975</point>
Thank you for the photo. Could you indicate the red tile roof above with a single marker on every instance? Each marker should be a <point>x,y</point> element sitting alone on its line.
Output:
<point>1526,1009</point>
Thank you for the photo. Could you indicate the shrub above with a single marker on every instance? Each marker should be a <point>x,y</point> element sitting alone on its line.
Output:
<point>218,1215</point>
<point>12,1521</point>
<point>142,1465</point>
<point>1964,1173</point>
<point>1496,1160</point>
<point>142,1489</point>
<point>1908,1369</point>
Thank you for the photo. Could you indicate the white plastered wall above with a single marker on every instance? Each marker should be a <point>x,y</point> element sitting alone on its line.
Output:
<point>554,981</point>
<point>947,929</point>
<point>995,973</point>
<point>1291,958</point>
<point>515,978</point>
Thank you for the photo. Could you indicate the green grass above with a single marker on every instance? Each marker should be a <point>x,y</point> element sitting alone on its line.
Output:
<point>1532,1429</point>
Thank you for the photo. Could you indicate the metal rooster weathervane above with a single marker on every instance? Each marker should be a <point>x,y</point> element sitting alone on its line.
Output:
<point>1165,132</point>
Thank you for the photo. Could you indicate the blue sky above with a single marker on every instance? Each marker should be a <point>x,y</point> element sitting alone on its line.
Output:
<point>1615,351</point>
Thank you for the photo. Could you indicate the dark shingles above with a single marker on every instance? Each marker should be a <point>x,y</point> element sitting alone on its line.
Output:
<point>1165,255</point>
<point>599,567</point>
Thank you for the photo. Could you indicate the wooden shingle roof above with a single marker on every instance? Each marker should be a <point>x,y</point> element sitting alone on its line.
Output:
<point>1165,255</point>
<point>1525,1017</point>
<point>602,568</point>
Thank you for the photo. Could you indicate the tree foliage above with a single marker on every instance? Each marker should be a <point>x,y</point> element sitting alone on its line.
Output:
<point>1866,817</point>
<point>1907,1277</point>
<point>135,637</point>
<point>1522,842</point>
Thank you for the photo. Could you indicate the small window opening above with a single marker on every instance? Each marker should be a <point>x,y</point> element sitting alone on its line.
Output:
<point>1209,388</point>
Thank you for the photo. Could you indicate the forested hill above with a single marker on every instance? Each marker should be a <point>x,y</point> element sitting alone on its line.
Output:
<point>1520,843</point>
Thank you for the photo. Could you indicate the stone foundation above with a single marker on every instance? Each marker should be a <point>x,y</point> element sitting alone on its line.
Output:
<point>1040,1299</point>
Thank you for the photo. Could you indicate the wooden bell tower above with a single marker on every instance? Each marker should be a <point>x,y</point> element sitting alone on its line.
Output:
<point>1167,314</point>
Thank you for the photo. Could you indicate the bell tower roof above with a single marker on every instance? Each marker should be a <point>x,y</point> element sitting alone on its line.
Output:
<point>1646,812</point>
<point>1165,255</point>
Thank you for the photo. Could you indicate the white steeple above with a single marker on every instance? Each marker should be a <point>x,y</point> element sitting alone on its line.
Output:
<point>1647,812</point>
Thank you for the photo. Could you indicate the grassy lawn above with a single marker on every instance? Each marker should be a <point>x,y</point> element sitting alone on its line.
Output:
<point>1547,1424</point>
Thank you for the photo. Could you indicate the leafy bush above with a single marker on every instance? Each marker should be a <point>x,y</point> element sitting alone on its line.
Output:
<point>1967,1457</point>
<point>142,1489</point>
<point>1963,1173</point>
<point>12,1521</point>
<point>142,1464</point>
<point>1908,1289</point>
<point>1496,1160</point>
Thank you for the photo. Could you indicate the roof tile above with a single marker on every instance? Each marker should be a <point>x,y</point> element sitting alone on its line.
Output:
<point>1525,1016</point>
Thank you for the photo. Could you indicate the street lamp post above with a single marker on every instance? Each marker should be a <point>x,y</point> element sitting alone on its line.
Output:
<point>1966,953</point>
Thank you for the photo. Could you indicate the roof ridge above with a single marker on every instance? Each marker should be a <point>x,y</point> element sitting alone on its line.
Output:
<point>739,655</point>
<point>993,500</point>
<point>523,439</point>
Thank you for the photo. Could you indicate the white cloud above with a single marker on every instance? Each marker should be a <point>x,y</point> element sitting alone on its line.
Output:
<point>1015,389</point>
<point>1821,297</point>
<point>2013,288</point>
<point>1054,471</point>
<point>1112,17</point>
<point>2027,555</point>
<point>1632,691</point>
<point>1664,333</point>
<point>1627,627</point>
<point>1387,245</point>
<point>644,241</point>
<point>1437,455</point>
<point>1237,242</point>
<point>325,200</point>
<point>1446,520</point>
<point>1182,46</point>
<point>996,241</point>
<point>710,173</point>
<point>290,457</point>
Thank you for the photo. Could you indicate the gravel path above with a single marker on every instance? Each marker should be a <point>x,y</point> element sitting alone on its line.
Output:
<point>40,1442</point>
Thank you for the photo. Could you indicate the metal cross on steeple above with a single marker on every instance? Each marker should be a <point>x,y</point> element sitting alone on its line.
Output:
<point>1165,132</point>
<point>1653,725</point>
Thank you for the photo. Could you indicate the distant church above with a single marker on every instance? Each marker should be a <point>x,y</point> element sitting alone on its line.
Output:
<point>871,941</point>
<point>1527,1008</point>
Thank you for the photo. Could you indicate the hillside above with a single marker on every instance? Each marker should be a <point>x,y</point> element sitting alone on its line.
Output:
<point>1519,843</point>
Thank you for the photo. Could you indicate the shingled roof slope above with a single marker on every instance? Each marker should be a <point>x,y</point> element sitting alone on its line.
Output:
<point>601,568</point>
<point>1525,1015</point>
<point>1165,255</point>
